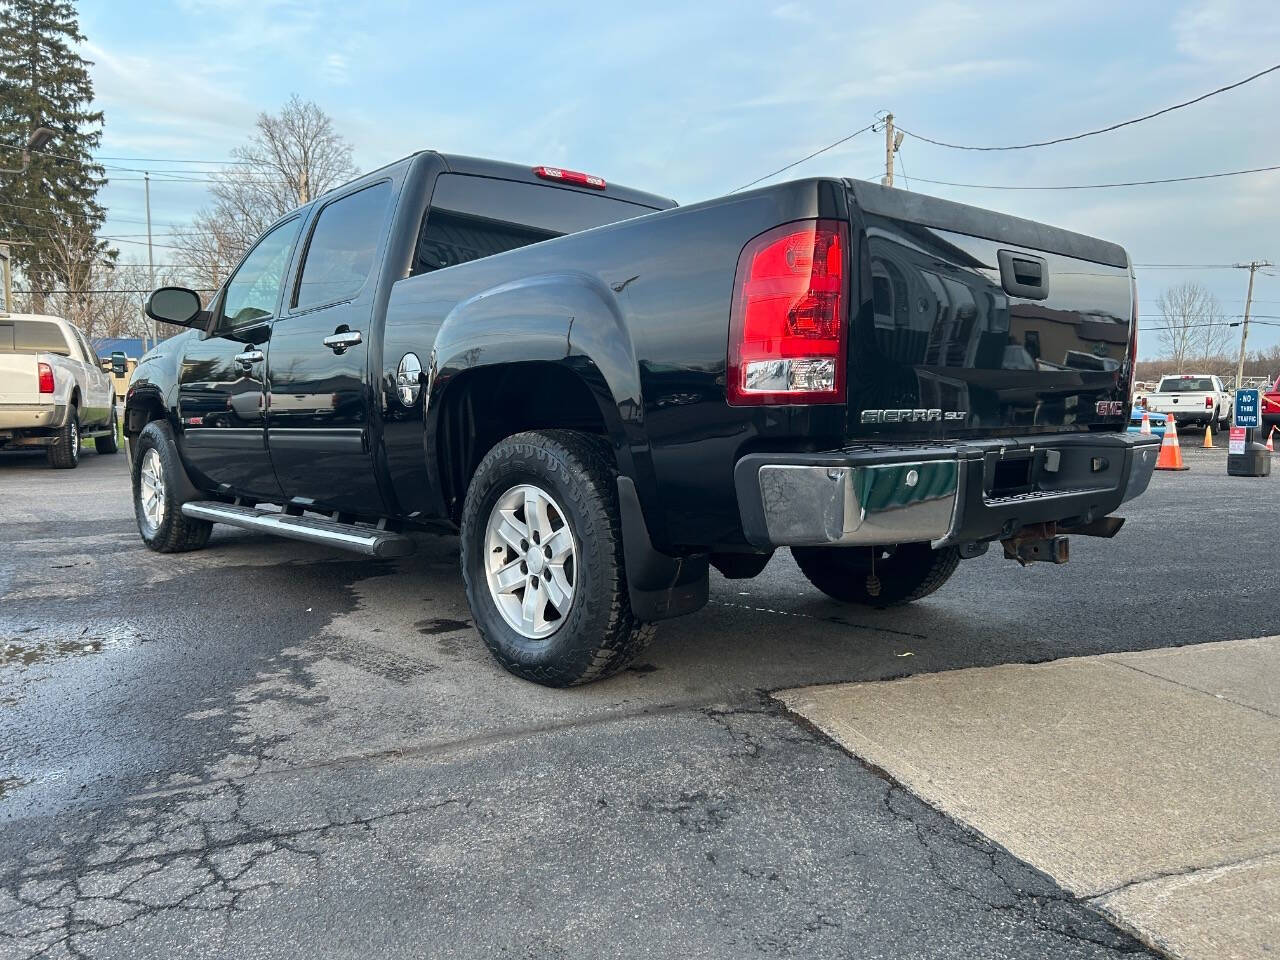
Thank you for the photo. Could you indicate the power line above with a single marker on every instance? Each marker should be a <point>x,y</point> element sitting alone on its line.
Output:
<point>815,153</point>
<point>1100,186</point>
<point>1107,129</point>
<point>96,160</point>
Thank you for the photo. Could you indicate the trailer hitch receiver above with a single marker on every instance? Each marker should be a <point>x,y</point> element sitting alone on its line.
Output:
<point>1039,542</point>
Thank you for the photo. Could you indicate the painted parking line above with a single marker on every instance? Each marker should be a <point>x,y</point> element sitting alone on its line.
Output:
<point>1147,783</point>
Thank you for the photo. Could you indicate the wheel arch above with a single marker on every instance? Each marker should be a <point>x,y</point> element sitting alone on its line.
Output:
<point>561,338</point>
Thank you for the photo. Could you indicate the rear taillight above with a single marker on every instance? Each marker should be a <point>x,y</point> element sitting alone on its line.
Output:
<point>1208,403</point>
<point>46,377</point>
<point>570,176</point>
<point>789,321</point>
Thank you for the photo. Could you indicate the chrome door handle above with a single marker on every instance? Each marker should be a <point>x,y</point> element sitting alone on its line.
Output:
<point>249,357</point>
<point>338,342</point>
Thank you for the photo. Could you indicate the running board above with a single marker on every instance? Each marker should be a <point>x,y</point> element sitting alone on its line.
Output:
<point>382,544</point>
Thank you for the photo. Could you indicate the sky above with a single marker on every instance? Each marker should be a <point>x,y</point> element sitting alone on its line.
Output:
<point>692,100</point>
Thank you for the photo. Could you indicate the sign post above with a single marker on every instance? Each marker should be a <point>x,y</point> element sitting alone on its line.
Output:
<point>1245,456</point>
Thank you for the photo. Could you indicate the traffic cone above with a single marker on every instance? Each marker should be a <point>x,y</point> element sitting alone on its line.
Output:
<point>1208,437</point>
<point>1170,453</point>
<point>1271,446</point>
<point>1146,424</point>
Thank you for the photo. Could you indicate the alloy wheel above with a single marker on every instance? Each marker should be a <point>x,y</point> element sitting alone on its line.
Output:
<point>531,561</point>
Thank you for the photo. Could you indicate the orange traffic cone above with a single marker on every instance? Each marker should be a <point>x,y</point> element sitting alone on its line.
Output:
<point>1170,453</point>
<point>1271,446</point>
<point>1208,437</point>
<point>1146,424</point>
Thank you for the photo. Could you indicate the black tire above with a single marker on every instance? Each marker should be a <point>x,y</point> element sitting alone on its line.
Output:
<point>599,635</point>
<point>64,452</point>
<point>109,444</point>
<point>174,533</point>
<point>907,572</point>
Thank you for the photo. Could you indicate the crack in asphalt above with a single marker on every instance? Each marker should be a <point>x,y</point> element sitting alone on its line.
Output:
<point>1030,904</point>
<point>1040,907</point>
<point>156,861</point>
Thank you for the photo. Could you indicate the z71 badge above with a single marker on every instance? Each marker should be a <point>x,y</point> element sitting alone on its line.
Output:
<point>914,416</point>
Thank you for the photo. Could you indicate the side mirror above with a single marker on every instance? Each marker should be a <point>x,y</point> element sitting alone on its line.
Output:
<point>176,305</point>
<point>119,363</point>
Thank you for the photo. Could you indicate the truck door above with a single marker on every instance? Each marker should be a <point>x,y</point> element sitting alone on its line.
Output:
<point>220,387</point>
<point>318,384</point>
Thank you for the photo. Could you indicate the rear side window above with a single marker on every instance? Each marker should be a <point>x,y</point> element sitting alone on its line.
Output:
<point>474,217</point>
<point>32,336</point>
<point>343,245</point>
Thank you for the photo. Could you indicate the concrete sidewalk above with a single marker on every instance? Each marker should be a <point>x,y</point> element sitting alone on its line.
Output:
<point>1147,783</point>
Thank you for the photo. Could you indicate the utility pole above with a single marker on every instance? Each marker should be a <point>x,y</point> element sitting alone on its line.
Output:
<point>6,284</point>
<point>887,180</point>
<point>892,141</point>
<point>151,260</point>
<point>1253,267</point>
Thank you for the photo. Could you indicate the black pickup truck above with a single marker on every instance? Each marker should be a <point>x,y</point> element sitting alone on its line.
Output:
<point>605,394</point>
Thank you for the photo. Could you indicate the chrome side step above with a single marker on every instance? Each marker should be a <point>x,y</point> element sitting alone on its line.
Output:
<point>369,541</point>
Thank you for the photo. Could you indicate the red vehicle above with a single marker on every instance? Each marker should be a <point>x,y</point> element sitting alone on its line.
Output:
<point>1271,406</point>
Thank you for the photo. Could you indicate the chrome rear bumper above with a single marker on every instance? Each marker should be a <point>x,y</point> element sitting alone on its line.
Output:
<point>847,505</point>
<point>940,493</point>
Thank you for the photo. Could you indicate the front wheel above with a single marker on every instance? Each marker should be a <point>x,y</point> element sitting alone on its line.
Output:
<point>886,576</point>
<point>542,559</point>
<point>156,506</point>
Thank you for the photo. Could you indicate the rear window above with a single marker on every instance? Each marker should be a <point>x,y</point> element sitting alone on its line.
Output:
<point>32,336</point>
<point>343,243</point>
<point>474,217</point>
<point>1185,385</point>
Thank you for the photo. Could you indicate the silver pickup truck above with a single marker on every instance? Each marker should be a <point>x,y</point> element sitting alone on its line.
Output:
<point>53,392</point>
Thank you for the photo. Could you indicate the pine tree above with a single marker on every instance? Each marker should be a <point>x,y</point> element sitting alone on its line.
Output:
<point>52,209</point>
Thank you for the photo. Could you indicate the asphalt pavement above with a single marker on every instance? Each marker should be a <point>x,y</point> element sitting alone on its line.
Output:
<point>270,748</point>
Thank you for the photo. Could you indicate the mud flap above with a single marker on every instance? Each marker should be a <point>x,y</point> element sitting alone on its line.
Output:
<point>660,586</point>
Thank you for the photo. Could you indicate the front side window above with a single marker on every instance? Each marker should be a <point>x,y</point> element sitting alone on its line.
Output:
<point>254,290</point>
<point>343,245</point>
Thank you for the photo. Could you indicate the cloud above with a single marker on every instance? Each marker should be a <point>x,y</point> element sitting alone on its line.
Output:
<point>336,69</point>
<point>1243,33</point>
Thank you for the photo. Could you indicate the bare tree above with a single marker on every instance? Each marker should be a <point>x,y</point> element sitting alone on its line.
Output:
<point>291,158</point>
<point>1191,326</point>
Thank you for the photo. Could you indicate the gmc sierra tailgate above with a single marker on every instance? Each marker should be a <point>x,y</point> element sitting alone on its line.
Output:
<point>975,324</point>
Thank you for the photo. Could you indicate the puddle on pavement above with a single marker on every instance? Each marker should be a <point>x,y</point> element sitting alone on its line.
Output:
<point>31,645</point>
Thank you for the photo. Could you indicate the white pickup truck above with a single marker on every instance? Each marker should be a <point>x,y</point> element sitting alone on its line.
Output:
<point>1193,398</point>
<point>53,392</point>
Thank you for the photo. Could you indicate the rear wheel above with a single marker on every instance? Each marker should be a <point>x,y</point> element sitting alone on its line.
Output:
<point>64,452</point>
<point>111,443</point>
<point>156,506</point>
<point>886,576</point>
<point>542,559</point>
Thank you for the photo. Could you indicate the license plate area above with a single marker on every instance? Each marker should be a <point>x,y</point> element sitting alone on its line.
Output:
<point>1011,473</point>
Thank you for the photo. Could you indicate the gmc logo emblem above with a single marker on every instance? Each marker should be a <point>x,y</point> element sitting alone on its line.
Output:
<point>1110,408</point>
